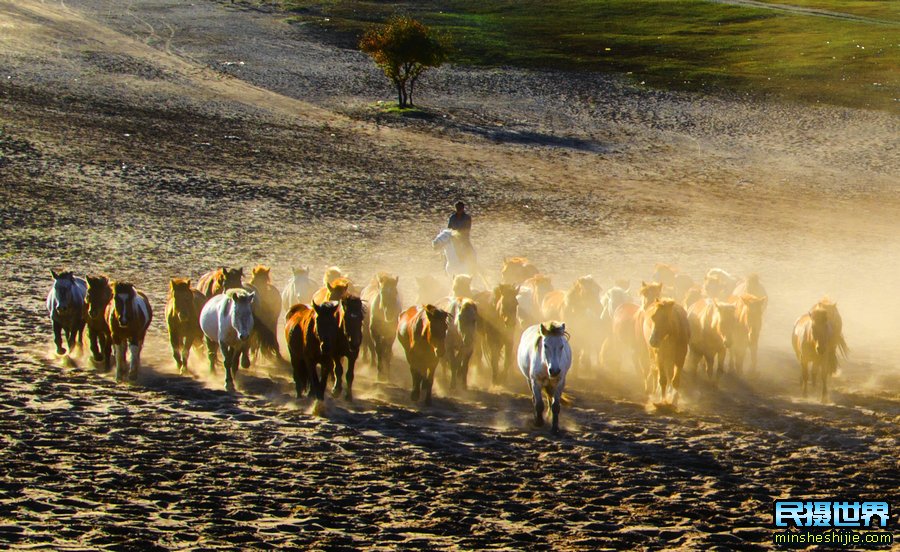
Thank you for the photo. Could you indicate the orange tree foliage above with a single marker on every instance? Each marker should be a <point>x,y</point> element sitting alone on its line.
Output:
<point>404,48</point>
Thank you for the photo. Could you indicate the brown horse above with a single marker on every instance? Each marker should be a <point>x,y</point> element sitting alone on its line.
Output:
<point>351,315</point>
<point>516,270</point>
<point>461,335</point>
<point>217,281</point>
<point>129,315</point>
<point>422,332</point>
<point>531,298</point>
<point>817,339</point>
<point>312,335</point>
<point>333,290</point>
<point>675,284</point>
<point>183,320</point>
<point>266,309</point>
<point>713,326</point>
<point>581,311</point>
<point>380,330</point>
<point>97,298</point>
<point>498,311</point>
<point>749,312</point>
<point>667,333</point>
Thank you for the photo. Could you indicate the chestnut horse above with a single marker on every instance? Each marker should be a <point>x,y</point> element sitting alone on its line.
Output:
<point>667,333</point>
<point>531,298</point>
<point>675,284</point>
<point>380,330</point>
<point>713,326</point>
<point>582,310</point>
<point>217,281</point>
<point>498,311</point>
<point>227,322</point>
<point>749,312</point>
<point>422,332</point>
<point>312,335</point>
<point>333,290</point>
<point>183,320</point>
<point>753,287</point>
<point>98,296</point>
<point>516,270</point>
<point>817,339</point>
<point>461,335</point>
<point>65,303</point>
<point>129,315</point>
<point>351,315</point>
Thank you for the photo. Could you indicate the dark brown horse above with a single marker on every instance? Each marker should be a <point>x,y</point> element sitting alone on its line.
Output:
<point>217,281</point>
<point>381,331</point>
<point>266,309</point>
<point>498,311</point>
<point>312,334</point>
<point>422,332</point>
<point>351,315</point>
<point>98,296</point>
<point>65,304</point>
<point>183,319</point>
<point>129,316</point>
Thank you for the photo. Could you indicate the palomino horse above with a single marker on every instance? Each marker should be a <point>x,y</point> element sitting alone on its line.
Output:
<point>461,336</point>
<point>217,281</point>
<point>817,339</point>
<point>299,289</point>
<point>129,316</point>
<point>581,310</point>
<point>65,303</point>
<point>531,297</point>
<point>628,331</point>
<point>422,332</point>
<point>266,309</point>
<point>545,359</point>
<point>461,287</point>
<point>312,334</point>
<point>675,284</point>
<point>753,287</point>
<point>449,243</point>
<point>719,284</point>
<point>516,270</point>
<point>183,320</point>
<point>383,298</point>
<point>227,322</point>
<point>99,294</point>
<point>498,311</point>
<point>713,327</point>
<point>333,290</point>
<point>351,316</point>
<point>749,312</point>
<point>667,333</point>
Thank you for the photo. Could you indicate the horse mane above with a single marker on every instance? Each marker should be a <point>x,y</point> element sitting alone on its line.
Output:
<point>236,293</point>
<point>295,309</point>
<point>556,328</point>
<point>124,286</point>
<point>178,282</point>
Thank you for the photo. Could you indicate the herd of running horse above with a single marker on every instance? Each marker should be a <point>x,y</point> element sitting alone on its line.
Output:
<point>672,323</point>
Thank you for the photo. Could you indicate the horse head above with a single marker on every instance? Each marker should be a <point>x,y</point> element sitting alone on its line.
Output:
<point>242,311</point>
<point>352,316</point>
<point>507,303</point>
<point>665,274</point>
<point>462,285</point>
<point>821,329</point>
<point>465,319</point>
<point>123,297</point>
<point>663,321</point>
<point>442,239</point>
<point>326,326</point>
<point>337,288</point>
<point>260,275</point>
<point>390,295</point>
<point>436,328</point>
<point>727,322</point>
<point>98,295</point>
<point>63,289</point>
<point>332,273</point>
<point>650,292</point>
<point>232,278</point>
<point>183,297</point>
<point>553,352</point>
<point>300,271</point>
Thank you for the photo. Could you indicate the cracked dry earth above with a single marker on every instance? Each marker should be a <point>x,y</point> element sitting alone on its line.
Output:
<point>130,148</point>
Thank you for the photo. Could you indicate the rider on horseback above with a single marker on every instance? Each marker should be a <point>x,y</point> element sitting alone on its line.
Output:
<point>461,222</point>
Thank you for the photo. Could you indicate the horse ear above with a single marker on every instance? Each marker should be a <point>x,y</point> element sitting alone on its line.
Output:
<point>562,327</point>
<point>172,284</point>
<point>544,330</point>
<point>315,306</point>
<point>54,274</point>
<point>251,296</point>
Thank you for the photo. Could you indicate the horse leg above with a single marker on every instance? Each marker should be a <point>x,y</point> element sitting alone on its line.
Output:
<point>231,356</point>
<point>245,356</point>
<point>494,361</point>
<point>754,350</point>
<point>300,381</point>
<point>662,377</point>
<point>71,335</point>
<point>428,382</point>
<point>185,353</point>
<point>554,409</point>
<point>57,337</point>
<point>134,352</point>
<point>120,361</point>
<point>338,377</point>
<point>212,349</point>
<point>94,341</point>
<point>825,373</point>
<point>175,342</point>
<point>804,376</point>
<point>463,369</point>
<point>351,368</point>
<point>107,350</point>
<point>537,398</point>
<point>416,382</point>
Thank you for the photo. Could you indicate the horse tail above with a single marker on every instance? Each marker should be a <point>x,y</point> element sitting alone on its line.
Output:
<point>267,340</point>
<point>842,346</point>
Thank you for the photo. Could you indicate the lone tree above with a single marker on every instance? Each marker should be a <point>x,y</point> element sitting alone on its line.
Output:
<point>404,49</point>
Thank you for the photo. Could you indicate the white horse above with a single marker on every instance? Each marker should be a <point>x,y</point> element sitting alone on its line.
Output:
<point>227,321</point>
<point>544,359</point>
<point>611,300</point>
<point>299,289</point>
<point>446,243</point>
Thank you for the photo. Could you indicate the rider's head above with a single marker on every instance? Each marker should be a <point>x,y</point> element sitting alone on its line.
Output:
<point>460,207</point>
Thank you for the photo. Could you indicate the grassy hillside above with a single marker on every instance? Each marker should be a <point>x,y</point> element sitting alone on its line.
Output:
<point>848,56</point>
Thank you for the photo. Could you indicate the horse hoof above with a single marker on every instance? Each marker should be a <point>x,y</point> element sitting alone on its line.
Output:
<point>229,387</point>
<point>554,430</point>
<point>60,351</point>
<point>245,363</point>
<point>97,358</point>
<point>539,422</point>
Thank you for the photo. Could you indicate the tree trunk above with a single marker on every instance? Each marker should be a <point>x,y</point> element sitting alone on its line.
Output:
<point>400,96</point>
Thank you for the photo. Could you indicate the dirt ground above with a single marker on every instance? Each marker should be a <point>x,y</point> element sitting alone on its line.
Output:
<point>157,138</point>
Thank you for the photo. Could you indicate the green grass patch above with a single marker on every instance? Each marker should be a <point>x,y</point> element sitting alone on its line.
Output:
<point>681,44</point>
